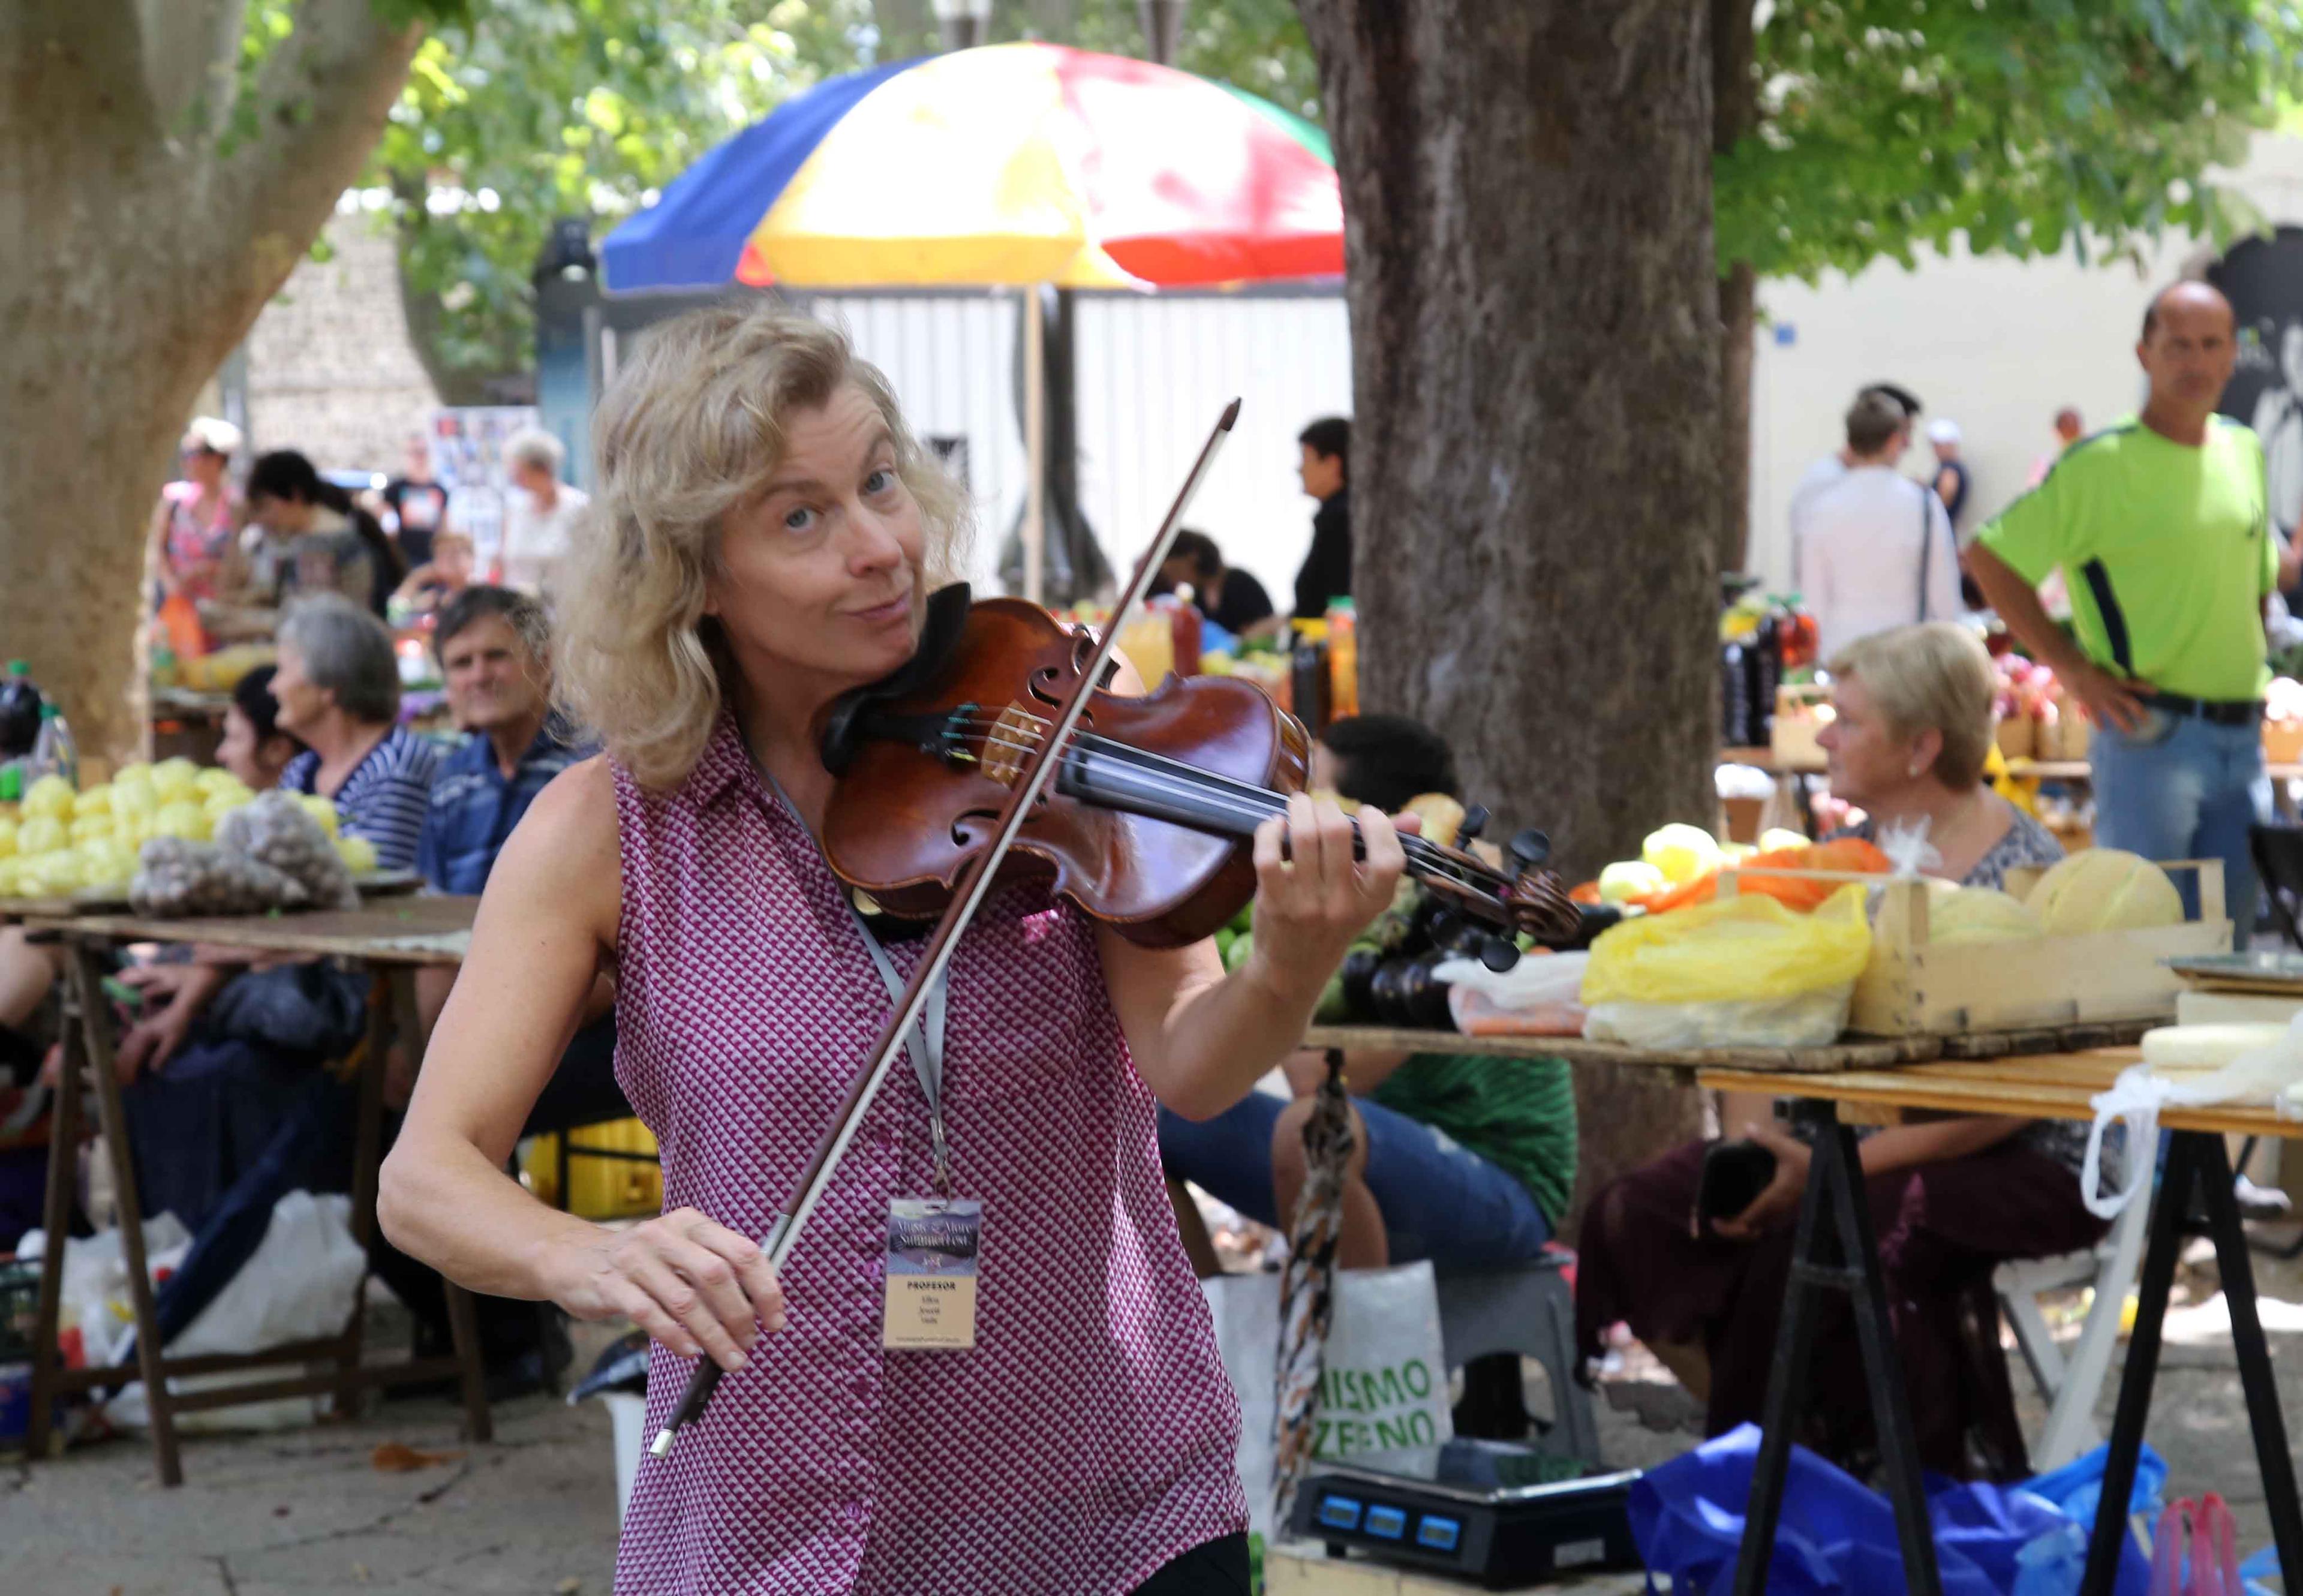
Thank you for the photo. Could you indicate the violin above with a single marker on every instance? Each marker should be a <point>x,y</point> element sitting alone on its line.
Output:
<point>1149,822</point>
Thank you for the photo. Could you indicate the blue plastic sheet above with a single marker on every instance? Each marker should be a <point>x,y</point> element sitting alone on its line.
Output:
<point>1836,1537</point>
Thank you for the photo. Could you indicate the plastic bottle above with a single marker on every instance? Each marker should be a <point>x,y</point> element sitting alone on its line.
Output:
<point>1343,657</point>
<point>54,752</point>
<point>1312,705</point>
<point>1184,631</point>
<point>1735,696</point>
<point>19,711</point>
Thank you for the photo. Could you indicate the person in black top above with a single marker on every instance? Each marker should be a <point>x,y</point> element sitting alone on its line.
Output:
<point>419,504</point>
<point>1951,474</point>
<point>1233,599</point>
<point>1327,572</point>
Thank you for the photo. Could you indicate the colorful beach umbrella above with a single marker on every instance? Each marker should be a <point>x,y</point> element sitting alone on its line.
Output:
<point>1007,165</point>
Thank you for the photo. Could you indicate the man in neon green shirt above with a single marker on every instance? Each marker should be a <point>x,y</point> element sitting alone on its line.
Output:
<point>2160,526</point>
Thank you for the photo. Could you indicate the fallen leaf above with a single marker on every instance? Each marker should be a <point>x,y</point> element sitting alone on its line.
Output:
<point>398,1458</point>
<point>567,1587</point>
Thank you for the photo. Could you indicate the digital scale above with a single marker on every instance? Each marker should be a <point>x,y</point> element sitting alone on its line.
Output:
<point>1500,1515</point>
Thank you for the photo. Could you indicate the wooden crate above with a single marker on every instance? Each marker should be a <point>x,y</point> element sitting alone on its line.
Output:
<point>1914,986</point>
<point>1800,713</point>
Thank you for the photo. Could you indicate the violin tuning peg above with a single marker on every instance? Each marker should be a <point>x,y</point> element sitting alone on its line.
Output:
<point>1529,848</point>
<point>1475,820</point>
<point>1498,953</point>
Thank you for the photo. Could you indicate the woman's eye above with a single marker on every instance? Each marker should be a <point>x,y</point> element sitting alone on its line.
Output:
<point>798,520</point>
<point>880,481</point>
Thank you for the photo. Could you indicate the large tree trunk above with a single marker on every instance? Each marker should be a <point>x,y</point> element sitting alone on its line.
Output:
<point>1734,110</point>
<point>138,242</point>
<point>1535,449</point>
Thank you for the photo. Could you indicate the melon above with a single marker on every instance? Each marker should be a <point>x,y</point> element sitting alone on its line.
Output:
<point>2105,888</point>
<point>1681,852</point>
<point>1628,879</point>
<point>2207,1047</point>
<point>1979,914</point>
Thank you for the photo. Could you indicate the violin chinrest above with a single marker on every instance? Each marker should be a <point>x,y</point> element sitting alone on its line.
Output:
<point>940,635</point>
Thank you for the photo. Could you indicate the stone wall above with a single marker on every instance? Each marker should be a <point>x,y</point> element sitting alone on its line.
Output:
<point>330,370</point>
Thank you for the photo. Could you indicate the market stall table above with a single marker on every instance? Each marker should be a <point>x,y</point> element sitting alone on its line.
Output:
<point>393,939</point>
<point>1836,1249</point>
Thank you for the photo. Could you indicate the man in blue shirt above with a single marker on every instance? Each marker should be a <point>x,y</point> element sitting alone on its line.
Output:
<point>494,655</point>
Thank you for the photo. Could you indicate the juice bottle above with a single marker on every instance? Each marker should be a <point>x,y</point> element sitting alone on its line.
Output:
<point>1342,658</point>
<point>1149,642</point>
<point>1184,631</point>
<point>1312,705</point>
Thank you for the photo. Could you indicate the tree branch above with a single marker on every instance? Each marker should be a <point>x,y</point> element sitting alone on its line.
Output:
<point>319,105</point>
<point>190,47</point>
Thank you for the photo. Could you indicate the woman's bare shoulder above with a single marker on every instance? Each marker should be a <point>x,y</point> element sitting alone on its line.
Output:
<point>563,856</point>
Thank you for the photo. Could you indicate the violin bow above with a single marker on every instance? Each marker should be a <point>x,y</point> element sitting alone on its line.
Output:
<point>974,885</point>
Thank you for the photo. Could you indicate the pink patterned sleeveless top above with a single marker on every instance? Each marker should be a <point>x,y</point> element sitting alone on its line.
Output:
<point>1090,1436</point>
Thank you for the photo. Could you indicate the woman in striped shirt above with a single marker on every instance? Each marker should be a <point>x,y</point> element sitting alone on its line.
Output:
<point>338,685</point>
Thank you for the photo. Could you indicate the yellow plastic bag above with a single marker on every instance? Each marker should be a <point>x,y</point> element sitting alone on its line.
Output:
<point>1732,950</point>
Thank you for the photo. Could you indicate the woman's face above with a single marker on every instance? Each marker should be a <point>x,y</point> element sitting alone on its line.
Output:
<point>282,517</point>
<point>256,762</point>
<point>203,468</point>
<point>1868,763</point>
<point>822,578</point>
<point>453,560</point>
<point>301,704</point>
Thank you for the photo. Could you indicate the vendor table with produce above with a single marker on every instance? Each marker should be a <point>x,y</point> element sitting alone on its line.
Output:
<point>391,939</point>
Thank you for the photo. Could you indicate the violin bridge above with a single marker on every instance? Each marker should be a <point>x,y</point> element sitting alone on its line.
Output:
<point>1012,739</point>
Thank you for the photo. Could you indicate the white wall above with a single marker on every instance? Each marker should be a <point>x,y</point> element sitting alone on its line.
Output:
<point>1996,345</point>
<point>1153,373</point>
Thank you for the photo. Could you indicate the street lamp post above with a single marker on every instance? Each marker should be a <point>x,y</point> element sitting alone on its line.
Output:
<point>965,24</point>
<point>1163,28</point>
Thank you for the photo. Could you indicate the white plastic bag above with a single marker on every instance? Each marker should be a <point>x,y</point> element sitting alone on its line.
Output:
<point>2271,1074</point>
<point>1385,1386</point>
<point>95,1299</point>
<point>298,1285</point>
<point>1537,996</point>
<point>1809,1020</point>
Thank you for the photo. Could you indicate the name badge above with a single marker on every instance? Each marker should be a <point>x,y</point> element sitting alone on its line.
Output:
<point>931,1273</point>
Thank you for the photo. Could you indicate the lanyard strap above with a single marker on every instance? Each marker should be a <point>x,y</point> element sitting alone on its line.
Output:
<point>927,1053</point>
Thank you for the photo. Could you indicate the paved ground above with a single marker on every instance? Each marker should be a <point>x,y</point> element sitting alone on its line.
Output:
<point>306,1512</point>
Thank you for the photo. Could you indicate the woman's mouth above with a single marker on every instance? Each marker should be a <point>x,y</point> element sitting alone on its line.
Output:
<point>898,608</point>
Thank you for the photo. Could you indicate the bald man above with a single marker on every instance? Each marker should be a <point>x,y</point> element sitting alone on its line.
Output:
<point>2160,526</point>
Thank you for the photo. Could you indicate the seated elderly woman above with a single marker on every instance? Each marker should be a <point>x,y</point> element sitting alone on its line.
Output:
<point>1951,1199</point>
<point>337,689</point>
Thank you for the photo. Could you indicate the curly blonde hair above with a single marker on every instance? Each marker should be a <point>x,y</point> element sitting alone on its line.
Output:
<point>691,430</point>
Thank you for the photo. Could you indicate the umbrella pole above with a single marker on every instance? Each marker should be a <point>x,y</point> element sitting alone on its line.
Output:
<point>1035,445</point>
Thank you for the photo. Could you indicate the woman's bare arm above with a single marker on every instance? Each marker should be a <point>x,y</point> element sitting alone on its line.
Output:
<point>546,928</point>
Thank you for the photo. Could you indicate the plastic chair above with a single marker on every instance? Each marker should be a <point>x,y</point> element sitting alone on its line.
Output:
<point>2072,1385</point>
<point>1527,1310</point>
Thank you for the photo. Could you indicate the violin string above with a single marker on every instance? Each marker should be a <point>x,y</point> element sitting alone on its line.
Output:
<point>1272,802</point>
<point>1260,804</point>
<point>1246,799</point>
